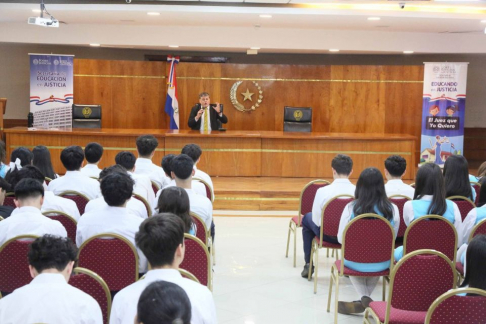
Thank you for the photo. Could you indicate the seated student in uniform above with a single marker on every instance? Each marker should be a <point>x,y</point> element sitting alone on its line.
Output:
<point>429,199</point>
<point>48,298</point>
<point>176,201</point>
<point>28,220</point>
<point>194,151</point>
<point>3,156</point>
<point>475,215</point>
<point>182,170</point>
<point>146,145</point>
<point>161,239</point>
<point>395,167</point>
<point>117,189</point>
<point>19,158</point>
<point>143,186</point>
<point>5,211</point>
<point>72,158</point>
<point>41,159</point>
<point>481,172</point>
<point>134,206</point>
<point>342,168</point>
<point>370,198</point>
<point>163,302</point>
<point>474,261</point>
<point>456,177</point>
<point>51,201</point>
<point>93,153</point>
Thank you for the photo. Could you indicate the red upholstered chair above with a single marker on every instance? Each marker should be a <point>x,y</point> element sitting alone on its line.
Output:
<point>415,282</point>
<point>80,199</point>
<point>155,187</point>
<point>477,188</point>
<point>450,308</point>
<point>47,180</point>
<point>399,201</point>
<point>145,203</point>
<point>14,266</point>
<point>464,204</point>
<point>368,238</point>
<point>66,220</point>
<point>188,275</point>
<point>92,284</point>
<point>209,191</point>
<point>478,229</point>
<point>307,196</point>
<point>202,231</point>
<point>431,232</point>
<point>112,257</point>
<point>9,200</point>
<point>330,217</point>
<point>197,260</point>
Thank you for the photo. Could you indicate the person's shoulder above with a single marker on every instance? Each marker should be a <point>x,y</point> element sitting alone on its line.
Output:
<point>195,288</point>
<point>130,293</point>
<point>79,296</point>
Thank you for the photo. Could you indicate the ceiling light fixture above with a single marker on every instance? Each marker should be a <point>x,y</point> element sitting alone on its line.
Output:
<point>407,52</point>
<point>255,48</point>
<point>374,18</point>
<point>174,46</point>
<point>153,13</point>
<point>333,50</point>
<point>95,45</point>
<point>265,16</point>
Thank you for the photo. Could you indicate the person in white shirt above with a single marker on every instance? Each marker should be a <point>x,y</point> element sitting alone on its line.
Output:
<point>161,239</point>
<point>194,151</point>
<point>143,185</point>
<point>395,167</point>
<point>146,145</point>
<point>117,189</point>
<point>27,219</point>
<point>182,171</point>
<point>51,201</point>
<point>370,198</point>
<point>48,298</point>
<point>163,302</point>
<point>134,206</point>
<point>342,168</point>
<point>476,215</point>
<point>93,153</point>
<point>72,158</point>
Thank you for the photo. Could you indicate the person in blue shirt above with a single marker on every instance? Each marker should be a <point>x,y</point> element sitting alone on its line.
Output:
<point>175,200</point>
<point>370,198</point>
<point>475,263</point>
<point>476,215</point>
<point>456,176</point>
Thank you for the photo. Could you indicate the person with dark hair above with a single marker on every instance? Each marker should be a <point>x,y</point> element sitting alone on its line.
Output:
<point>51,201</point>
<point>3,156</point>
<point>395,167</point>
<point>473,257</point>
<point>28,219</point>
<point>93,153</point>
<point>161,240</point>
<point>163,302</point>
<point>342,168</point>
<point>182,170</point>
<point>19,158</point>
<point>48,298</point>
<point>72,158</point>
<point>481,171</point>
<point>5,211</point>
<point>456,177</point>
<point>134,206</point>
<point>370,197</point>
<point>205,116</point>
<point>194,151</point>
<point>175,200</point>
<point>117,189</point>
<point>42,161</point>
<point>143,185</point>
<point>430,199</point>
<point>146,145</point>
<point>475,215</point>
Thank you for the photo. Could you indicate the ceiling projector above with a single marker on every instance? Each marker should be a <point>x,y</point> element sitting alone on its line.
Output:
<point>45,22</point>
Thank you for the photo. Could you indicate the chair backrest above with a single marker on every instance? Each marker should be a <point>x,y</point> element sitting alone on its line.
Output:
<point>477,188</point>
<point>188,275</point>
<point>368,238</point>
<point>197,260</point>
<point>9,200</point>
<point>308,194</point>
<point>209,191</point>
<point>112,257</point>
<point>145,203</point>
<point>478,229</point>
<point>14,265</point>
<point>399,201</point>
<point>418,279</point>
<point>464,204</point>
<point>155,187</point>
<point>450,308</point>
<point>80,199</point>
<point>67,221</point>
<point>47,180</point>
<point>92,284</point>
<point>432,232</point>
<point>298,119</point>
<point>331,214</point>
<point>202,231</point>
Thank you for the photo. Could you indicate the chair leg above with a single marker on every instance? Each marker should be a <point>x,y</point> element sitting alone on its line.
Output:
<point>288,239</point>
<point>213,254</point>
<point>295,246</point>
<point>310,262</point>
<point>317,269</point>
<point>327,253</point>
<point>337,254</point>
<point>332,253</point>
<point>384,288</point>
<point>330,290</point>
<point>336,300</point>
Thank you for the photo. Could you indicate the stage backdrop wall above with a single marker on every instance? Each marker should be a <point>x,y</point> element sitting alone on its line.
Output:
<point>344,98</point>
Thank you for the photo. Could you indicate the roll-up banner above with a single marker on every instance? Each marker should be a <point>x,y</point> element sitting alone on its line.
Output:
<point>51,90</point>
<point>444,105</point>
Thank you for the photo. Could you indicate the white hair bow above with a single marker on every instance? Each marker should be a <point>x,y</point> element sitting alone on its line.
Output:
<point>15,164</point>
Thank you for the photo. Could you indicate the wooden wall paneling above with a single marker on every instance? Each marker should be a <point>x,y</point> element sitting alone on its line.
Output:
<point>475,144</point>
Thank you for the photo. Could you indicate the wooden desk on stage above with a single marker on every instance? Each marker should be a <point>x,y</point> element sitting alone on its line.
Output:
<point>235,153</point>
